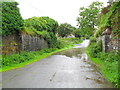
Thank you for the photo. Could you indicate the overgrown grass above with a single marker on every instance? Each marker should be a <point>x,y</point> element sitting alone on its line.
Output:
<point>107,62</point>
<point>24,58</point>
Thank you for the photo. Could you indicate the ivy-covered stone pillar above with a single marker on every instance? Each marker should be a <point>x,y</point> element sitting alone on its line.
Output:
<point>106,39</point>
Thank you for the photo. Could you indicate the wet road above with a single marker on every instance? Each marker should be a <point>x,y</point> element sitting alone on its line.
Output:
<point>66,69</point>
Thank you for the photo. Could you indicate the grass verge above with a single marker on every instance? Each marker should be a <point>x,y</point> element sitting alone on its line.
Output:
<point>108,64</point>
<point>21,59</point>
<point>24,58</point>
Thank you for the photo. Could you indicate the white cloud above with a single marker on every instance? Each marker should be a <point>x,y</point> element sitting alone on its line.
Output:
<point>60,10</point>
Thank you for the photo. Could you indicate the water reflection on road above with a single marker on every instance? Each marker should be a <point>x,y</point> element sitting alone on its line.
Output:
<point>66,69</point>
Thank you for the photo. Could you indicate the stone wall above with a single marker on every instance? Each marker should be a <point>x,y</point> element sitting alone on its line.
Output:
<point>114,44</point>
<point>105,42</point>
<point>11,44</point>
<point>32,43</point>
<point>109,44</point>
<point>18,42</point>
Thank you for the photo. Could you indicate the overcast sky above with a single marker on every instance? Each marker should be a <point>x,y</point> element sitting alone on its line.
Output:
<point>60,10</point>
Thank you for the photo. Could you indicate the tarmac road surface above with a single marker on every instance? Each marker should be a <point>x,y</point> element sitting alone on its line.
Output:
<point>66,69</point>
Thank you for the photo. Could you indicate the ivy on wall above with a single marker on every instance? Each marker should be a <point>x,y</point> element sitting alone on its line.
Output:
<point>110,17</point>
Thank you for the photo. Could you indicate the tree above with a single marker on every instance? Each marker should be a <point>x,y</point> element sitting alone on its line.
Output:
<point>42,24</point>
<point>78,33</point>
<point>45,27</point>
<point>11,18</point>
<point>65,29</point>
<point>88,19</point>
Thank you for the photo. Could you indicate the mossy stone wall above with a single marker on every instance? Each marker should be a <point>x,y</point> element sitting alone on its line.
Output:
<point>18,42</point>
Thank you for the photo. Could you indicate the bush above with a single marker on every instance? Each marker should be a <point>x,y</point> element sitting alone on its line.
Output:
<point>78,33</point>
<point>92,39</point>
<point>43,26</point>
<point>65,29</point>
<point>95,48</point>
<point>11,18</point>
<point>99,46</point>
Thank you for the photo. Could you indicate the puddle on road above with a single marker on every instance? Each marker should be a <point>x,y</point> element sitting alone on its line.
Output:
<point>74,52</point>
<point>85,64</point>
<point>63,69</point>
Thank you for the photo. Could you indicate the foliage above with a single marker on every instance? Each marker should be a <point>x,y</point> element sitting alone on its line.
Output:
<point>95,48</point>
<point>108,62</point>
<point>52,40</point>
<point>22,57</point>
<point>92,39</point>
<point>105,10</point>
<point>88,19</point>
<point>43,26</point>
<point>65,29</point>
<point>78,33</point>
<point>114,19</point>
<point>11,18</point>
<point>71,40</point>
<point>0,18</point>
<point>109,17</point>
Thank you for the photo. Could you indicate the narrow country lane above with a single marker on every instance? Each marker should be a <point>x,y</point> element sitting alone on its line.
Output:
<point>66,69</point>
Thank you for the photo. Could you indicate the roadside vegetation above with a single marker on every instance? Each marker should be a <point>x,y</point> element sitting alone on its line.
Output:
<point>24,58</point>
<point>88,20</point>
<point>109,16</point>
<point>21,59</point>
<point>11,18</point>
<point>107,62</point>
<point>71,40</point>
<point>65,29</point>
<point>44,27</point>
<point>92,21</point>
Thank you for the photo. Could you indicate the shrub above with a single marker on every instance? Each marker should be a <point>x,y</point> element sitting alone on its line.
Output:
<point>43,26</point>
<point>65,29</point>
<point>11,18</point>
<point>78,33</point>
<point>92,39</point>
<point>95,48</point>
